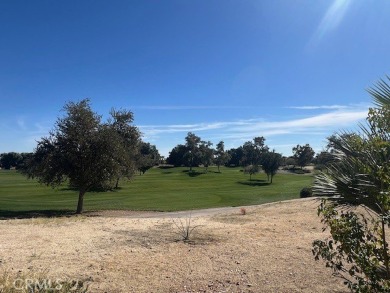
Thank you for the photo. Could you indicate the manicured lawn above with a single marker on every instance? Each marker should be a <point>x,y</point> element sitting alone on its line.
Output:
<point>159,189</point>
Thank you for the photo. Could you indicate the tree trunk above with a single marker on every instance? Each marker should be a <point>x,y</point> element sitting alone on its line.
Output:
<point>271,178</point>
<point>80,202</point>
<point>117,183</point>
<point>218,169</point>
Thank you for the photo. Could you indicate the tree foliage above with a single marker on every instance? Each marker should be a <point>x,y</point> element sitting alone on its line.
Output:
<point>357,250</point>
<point>253,150</point>
<point>12,160</point>
<point>205,154</point>
<point>177,156</point>
<point>147,157</point>
<point>221,156</point>
<point>270,163</point>
<point>235,156</point>
<point>126,140</point>
<point>251,170</point>
<point>192,146</point>
<point>303,154</point>
<point>83,151</point>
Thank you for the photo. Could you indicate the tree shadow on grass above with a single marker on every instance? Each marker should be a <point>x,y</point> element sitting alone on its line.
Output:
<point>254,182</point>
<point>6,215</point>
<point>193,173</point>
<point>95,190</point>
<point>166,167</point>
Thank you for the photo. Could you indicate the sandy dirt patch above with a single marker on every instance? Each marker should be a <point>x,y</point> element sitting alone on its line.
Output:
<point>266,250</point>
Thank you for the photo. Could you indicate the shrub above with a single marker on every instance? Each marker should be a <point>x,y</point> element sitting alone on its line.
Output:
<point>184,228</point>
<point>305,192</point>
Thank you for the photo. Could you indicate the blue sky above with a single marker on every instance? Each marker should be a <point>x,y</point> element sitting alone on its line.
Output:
<point>293,71</point>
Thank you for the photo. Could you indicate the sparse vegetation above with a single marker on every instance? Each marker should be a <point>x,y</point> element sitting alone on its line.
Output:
<point>184,227</point>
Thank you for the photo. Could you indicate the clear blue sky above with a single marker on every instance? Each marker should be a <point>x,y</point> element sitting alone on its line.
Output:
<point>291,71</point>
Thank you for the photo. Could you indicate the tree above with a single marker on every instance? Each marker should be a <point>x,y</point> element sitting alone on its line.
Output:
<point>251,170</point>
<point>270,163</point>
<point>221,157</point>
<point>236,156</point>
<point>303,154</point>
<point>9,160</point>
<point>291,161</point>
<point>357,250</point>
<point>129,139</point>
<point>192,145</point>
<point>176,155</point>
<point>148,157</point>
<point>81,151</point>
<point>252,151</point>
<point>323,160</point>
<point>206,154</point>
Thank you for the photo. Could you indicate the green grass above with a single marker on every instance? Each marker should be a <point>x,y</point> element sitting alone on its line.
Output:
<point>159,190</point>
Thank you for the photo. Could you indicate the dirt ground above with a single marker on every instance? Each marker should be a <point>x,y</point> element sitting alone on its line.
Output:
<point>266,250</point>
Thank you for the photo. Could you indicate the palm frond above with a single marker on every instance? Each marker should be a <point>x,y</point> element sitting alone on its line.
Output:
<point>381,93</point>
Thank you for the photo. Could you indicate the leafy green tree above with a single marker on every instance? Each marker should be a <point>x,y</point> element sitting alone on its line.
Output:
<point>176,156</point>
<point>192,145</point>
<point>148,157</point>
<point>206,154</point>
<point>128,137</point>
<point>323,160</point>
<point>252,151</point>
<point>81,151</point>
<point>270,163</point>
<point>357,211</point>
<point>291,161</point>
<point>9,160</point>
<point>303,154</point>
<point>251,170</point>
<point>235,156</point>
<point>221,156</point>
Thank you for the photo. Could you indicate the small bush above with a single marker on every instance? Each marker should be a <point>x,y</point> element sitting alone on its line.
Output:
<point>305,192</point>
<point>184,228</point>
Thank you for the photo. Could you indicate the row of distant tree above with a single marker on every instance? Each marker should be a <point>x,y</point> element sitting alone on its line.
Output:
<point>252,155</point>
<point>145,157</point>
<point>196,152</point>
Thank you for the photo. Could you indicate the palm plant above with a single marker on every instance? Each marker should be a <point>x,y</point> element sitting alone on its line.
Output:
<point>359,176</point>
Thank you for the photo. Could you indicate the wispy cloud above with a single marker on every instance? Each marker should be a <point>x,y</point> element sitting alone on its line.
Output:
<point>325,107</point>
<point>331,20</point>
<point>247,129</point>
<point>173,107</point>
